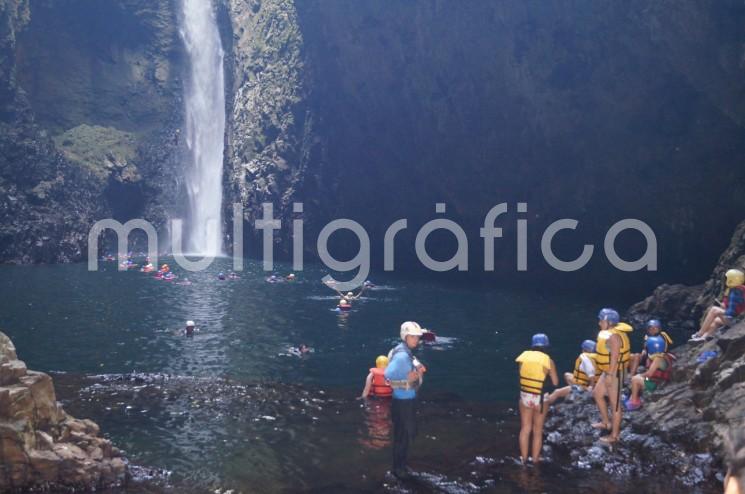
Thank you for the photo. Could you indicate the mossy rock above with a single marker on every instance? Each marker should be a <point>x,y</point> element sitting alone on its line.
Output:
<point>99,149</point>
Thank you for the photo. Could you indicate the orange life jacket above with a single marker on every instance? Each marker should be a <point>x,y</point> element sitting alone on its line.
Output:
<point>379,386</point>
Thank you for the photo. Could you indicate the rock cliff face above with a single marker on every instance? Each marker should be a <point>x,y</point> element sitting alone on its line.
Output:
<point>89,123</point>
<point>376,111</point>
<point>682,306</point>
<point>274,151</point>
<point>41,446</point>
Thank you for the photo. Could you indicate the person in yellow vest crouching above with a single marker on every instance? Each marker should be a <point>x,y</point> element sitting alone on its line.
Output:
<point>613,353</point>
<point>535,366</point>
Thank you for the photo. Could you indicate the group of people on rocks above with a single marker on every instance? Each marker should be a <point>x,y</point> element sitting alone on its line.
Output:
<point>600,372</point>
<point>606,365</point>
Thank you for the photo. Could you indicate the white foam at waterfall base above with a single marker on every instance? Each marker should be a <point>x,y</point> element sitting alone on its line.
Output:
<point>205,126</point>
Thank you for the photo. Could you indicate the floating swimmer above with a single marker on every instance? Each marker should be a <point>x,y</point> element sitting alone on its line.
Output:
<point>233,276</point>
<point>299,351</point>
<point>429,336</point>
<point>290,277</point>
<point>344,304</point>
<point>273,279</point>
<point>221,276</point>
<point>190,329</point>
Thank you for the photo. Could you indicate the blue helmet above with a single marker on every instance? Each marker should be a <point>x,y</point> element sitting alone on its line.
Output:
<point>655,344</point>
<point>588,346</point>
<point>610,315</point>
<point>540,340</point>
<point>654,323</point>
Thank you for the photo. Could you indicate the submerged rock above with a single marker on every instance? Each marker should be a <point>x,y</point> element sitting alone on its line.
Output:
<point>41,446</point>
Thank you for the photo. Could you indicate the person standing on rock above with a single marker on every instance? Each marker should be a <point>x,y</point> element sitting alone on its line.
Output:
<point>613,353</point>
<point>404,374</point>
<point>535,366</point>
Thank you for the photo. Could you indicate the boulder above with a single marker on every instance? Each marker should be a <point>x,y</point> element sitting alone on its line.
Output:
<point>41,447</point>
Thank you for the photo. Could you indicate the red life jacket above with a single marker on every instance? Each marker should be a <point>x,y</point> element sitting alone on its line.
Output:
<point>662,376</point>
<point>739,307</point>
<point>379,386</point>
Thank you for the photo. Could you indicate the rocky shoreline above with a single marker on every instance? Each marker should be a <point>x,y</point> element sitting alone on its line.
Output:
<point>681,428</point>
<point>42,447</point>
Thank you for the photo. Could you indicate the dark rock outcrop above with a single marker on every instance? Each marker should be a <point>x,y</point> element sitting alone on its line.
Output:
<point>90,96</point>
<point>681,427</point>
<point>41,447</point>
<point>681,306</point>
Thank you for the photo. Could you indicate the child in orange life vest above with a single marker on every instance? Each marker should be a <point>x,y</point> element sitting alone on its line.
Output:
<point>657,374</point>
<point>654,328</point>
<point>375,384</point>
<point>535,367</point>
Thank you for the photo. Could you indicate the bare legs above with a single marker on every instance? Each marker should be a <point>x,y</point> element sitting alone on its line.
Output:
<point>531,422</point>
<point>714,320</point>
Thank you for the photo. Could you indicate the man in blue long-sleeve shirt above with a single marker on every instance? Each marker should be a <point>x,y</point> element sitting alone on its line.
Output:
<point>404,372</point>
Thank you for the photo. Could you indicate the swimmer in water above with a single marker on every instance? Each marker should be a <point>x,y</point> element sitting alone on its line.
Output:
<point>299,351</point>
<point>290,277</point>
<point>233,276</point>
<point>190,328</point>
<point>221,276</point>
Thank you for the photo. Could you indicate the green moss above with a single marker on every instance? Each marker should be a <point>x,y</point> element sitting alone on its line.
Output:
<point>99,149</point>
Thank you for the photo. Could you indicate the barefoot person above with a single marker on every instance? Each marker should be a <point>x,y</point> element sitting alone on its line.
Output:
<point>404,374</point>
<point>613,355</point>
<point>535,365</point>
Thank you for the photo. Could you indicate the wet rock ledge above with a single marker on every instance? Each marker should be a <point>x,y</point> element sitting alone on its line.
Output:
<point>41,447</point>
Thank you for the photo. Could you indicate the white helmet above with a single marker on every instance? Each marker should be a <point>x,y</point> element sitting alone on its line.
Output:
<point>410,328</point>
<point>190,324</point>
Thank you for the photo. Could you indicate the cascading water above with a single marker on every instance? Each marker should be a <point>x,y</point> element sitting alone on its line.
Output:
<point>205,126</point>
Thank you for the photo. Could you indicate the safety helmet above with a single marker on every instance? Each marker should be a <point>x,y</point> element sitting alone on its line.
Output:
<point>190,324</point>
<point>610,315</point>
<point>654,323</point>
<point>410,328</point>
<point>381,362</point>
<point>655,344</point>
<point>539,340</point>
<point>588,346</point>
<point>291,275</point>
<point>735,277</point>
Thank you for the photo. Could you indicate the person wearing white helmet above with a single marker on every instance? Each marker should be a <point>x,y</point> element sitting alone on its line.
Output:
<point>190,328</point>
<point>404,374</point>
<point>731,306</point>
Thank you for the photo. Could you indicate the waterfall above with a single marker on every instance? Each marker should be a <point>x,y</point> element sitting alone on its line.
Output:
<point>205,126</point>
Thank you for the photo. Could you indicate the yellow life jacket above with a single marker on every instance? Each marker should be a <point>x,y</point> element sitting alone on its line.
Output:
<point>580,377</point>
<point>603,350</point>
<point>533,369</point>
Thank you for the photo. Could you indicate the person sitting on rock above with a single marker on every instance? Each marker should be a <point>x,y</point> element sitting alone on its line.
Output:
<point>654,328</point>
<point>535,367</point>
<point>583,377</point>
<point>734,481</point>
<point>658,373</point>
<point>732,305</point>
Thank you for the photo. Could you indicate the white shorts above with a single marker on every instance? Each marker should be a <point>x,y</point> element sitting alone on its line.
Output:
<point>530,400</point>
